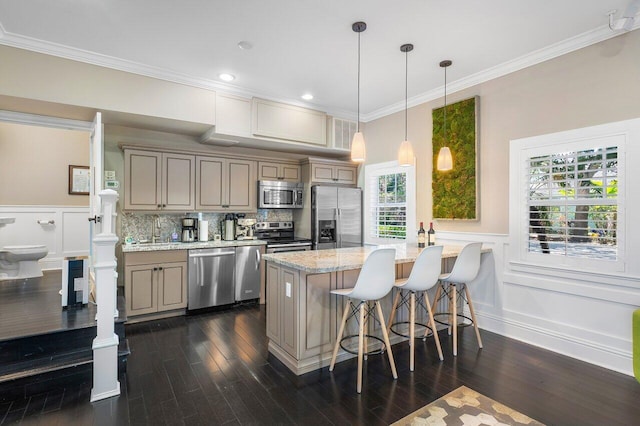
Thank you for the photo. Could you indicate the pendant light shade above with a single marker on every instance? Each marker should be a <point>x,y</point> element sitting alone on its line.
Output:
<point>405,153</point>
<point>358,150</point>
<point>445,160</point>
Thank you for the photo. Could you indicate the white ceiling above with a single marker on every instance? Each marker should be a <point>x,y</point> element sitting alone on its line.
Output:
<point>308,45</point>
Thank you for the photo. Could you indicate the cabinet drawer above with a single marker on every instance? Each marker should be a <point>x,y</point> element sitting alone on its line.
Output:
<point>160,256</point>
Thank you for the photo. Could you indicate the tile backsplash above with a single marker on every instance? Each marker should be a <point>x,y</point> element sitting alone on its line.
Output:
<point>139,226</point>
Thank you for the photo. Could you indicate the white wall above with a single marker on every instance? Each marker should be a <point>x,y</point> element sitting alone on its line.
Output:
<point>68,235</point>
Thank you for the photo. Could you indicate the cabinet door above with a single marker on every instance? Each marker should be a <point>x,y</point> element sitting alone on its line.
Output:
<point>321,173</point>
<point>273,303</point>
<point>143,181</point>
<point>241,186</point>
<point>316,302</point>
<point>141,289</point>
<point>172,286</point>
<point>289,312</point>
<point>178,182</point>
<point>345,175</point>
<point>268,171</point>
<point>290,173</point>
<point>210,183</point>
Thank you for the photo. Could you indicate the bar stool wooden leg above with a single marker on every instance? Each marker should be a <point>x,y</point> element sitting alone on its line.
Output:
<point>392,316</point>
<point>412,329</point>
<point>432,323</point>
<point>385,335</point>
<point>473,315</point>
<point>340,333</point>
<point>365,340</point>
<point>454,310</point>
<point>360,346</point>
<point>436,298</point>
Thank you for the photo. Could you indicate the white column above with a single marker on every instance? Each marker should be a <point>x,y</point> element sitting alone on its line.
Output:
<point>105,345</point>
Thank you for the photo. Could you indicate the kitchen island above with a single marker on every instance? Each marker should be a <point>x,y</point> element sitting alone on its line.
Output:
<point>303,316</point>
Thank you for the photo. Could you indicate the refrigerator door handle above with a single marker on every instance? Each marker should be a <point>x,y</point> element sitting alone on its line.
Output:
<point>338,230</point>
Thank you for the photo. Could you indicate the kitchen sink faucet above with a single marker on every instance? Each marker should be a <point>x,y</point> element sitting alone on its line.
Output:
<point>155,231</point>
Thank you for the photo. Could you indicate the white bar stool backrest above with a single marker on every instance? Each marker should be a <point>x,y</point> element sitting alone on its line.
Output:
<point>377,276</point>
<point>426,270</point>
<point>467,265</point>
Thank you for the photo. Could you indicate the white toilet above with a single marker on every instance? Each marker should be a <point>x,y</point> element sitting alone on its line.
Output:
<point>21,262</point>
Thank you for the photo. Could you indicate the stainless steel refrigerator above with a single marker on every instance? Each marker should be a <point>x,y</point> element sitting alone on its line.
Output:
<point>336,217</point>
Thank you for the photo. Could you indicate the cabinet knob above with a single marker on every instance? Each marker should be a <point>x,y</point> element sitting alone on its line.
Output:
<point>164,205</point>
<point>155,269</point>
<point>159,205</point>
<point>160,268</point>
<point>225,206</point>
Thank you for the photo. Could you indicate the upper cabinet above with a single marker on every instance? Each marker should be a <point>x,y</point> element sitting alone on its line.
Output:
<point>340,132</point>
<point>233,115</point>
<point>288,122</point>
<point>331,171</point>
<point>159,181</point>
<point>278,171</point>
<point>225,184</point>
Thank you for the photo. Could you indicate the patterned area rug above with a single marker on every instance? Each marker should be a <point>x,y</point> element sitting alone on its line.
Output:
<point>466,407</point>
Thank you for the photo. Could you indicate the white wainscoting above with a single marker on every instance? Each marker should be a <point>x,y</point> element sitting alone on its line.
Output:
<point>68,235</point>
<point>584,316</point>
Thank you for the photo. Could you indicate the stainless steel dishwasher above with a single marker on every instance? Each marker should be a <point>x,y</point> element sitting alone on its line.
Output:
<point>211,277</point>
<point>248,272</point>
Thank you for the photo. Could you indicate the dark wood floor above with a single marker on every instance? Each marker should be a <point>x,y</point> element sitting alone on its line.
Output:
<point>33,306</point>
<point>214,368</point>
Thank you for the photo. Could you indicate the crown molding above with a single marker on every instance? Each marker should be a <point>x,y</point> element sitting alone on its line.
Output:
<point>558,49</point>
<point>538,56</point>
<point>44,120</point>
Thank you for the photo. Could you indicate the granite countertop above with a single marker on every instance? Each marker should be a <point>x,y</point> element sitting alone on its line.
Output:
<point>133,248</point>
<point>332,260</point>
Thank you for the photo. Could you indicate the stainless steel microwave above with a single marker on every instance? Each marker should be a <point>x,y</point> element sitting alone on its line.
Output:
<point>279,195</point>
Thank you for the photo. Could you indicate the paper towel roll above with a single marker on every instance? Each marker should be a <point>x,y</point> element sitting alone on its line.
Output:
<point>203,230</point>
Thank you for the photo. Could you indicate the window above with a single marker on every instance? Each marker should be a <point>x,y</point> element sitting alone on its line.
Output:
<point>573,203</point>
<point>567,197</point>
<point>389,203</point>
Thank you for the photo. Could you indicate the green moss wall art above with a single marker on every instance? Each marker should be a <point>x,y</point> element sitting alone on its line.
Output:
<point>455,192</point>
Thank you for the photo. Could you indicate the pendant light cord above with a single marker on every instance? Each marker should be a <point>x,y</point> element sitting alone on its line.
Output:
<point>445,105</point>
<point>406,92</point>
<point>358,122</point>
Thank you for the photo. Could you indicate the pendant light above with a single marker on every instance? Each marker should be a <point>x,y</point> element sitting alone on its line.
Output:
<point>405,153</point>
<point>445,161</point>
<point>358,152</point>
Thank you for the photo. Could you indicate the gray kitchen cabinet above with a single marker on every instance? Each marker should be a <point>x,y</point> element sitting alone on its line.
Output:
<point>224,184</point>
<point>159,181</point>
<point>155,281</point>
<point>331,171</point>
<point>278,171</point>
<point>282,300</point>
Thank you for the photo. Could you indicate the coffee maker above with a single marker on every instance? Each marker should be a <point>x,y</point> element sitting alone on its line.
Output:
<point>189,229</point>
<point>244,229</point>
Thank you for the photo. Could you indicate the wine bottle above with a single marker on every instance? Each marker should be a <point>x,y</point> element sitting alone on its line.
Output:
<point>421,236</point>
<point>431,234</point>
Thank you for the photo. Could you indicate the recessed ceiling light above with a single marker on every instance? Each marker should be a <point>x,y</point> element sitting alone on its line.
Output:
<point>226,77</point>
<point>245,45</point>
<point>307,96</point>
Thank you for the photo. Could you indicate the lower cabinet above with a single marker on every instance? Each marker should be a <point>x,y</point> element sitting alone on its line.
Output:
<point>282,302</point>
<point>155,281</point>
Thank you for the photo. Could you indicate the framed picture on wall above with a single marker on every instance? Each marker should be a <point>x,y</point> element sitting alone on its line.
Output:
<point>79,178</point>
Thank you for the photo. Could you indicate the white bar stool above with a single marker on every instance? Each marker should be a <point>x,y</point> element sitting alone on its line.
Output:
<point>375,281</point>
<point>424,275</point>
<point>464,270</point>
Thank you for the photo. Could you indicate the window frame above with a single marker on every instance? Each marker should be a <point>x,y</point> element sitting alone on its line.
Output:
<point>390,167</point>
<point>617,134</point>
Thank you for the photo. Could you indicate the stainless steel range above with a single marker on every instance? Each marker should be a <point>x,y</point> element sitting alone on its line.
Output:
<point>280,237</point>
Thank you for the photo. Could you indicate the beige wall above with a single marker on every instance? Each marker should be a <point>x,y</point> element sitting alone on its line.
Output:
<point>31,75</point>
<point>595,85</point>
<point>34,165</point>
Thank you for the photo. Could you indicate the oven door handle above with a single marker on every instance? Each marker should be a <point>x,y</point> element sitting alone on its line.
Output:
<point>271,246</point>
